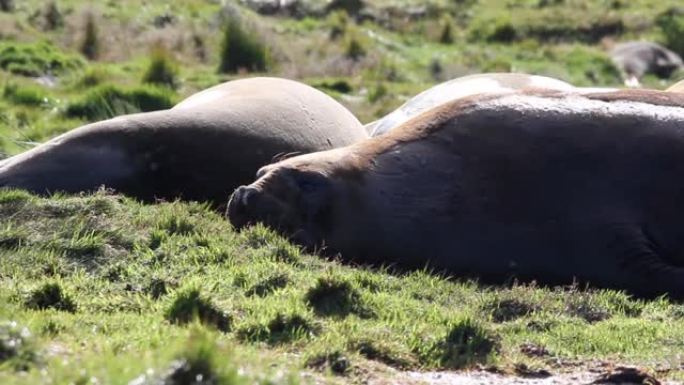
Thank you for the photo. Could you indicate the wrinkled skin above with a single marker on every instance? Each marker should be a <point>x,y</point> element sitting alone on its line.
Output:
<point>542,186</point>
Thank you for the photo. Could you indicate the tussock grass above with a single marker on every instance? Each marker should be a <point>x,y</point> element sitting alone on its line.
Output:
<point>51,296</point>
<point>189,304</point>
<point>90,45</point>
<point>281,327</point>
<point>26,95</point>
<point>332,296</point>
<point>162,69</point>
<point>106,101</point>
<point>36,59</point>
<point>241,49</point>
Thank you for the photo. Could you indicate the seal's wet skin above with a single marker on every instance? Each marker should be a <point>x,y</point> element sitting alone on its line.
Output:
<point>550,186</point>
<point>201,149</point>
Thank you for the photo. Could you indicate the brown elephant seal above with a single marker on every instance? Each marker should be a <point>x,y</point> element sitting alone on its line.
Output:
<point>463,87</point>
<point>538,185</point>
<point>201,149</point>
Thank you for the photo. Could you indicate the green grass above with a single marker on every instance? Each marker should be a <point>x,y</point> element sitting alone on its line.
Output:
<point>101,289</point>
<point>162,69</point>
<point>106,101</point>
<point>36,59</point>
<point>26,95</point>
<point>109,283</point>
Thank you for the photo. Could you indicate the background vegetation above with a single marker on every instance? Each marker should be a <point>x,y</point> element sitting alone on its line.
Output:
<point>101,289</point>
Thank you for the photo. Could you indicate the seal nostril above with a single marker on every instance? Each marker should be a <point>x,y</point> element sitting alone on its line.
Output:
<point>244,195</point>
<point>239,204</point>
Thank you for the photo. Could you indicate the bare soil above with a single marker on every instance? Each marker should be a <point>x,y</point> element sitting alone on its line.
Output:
<point>618,375</point>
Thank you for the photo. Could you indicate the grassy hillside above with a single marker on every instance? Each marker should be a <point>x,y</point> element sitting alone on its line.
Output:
<point>371,60</point>
<point>101,289</point>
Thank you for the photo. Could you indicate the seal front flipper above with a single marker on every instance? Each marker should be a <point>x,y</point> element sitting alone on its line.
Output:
<point>645,269</point>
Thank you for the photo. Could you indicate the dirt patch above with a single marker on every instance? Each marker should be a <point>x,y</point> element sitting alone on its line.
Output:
<point>480,377</point>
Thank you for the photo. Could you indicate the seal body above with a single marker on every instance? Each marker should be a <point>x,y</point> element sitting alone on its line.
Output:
<point>677,87</point>
<point>459,88</point>
<point>201,149</point>
<point>552,187</point>
<point>638,58</point>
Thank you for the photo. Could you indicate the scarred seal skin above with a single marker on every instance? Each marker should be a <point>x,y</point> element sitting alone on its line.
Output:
<point>538,185</point>
<point>201,149</point>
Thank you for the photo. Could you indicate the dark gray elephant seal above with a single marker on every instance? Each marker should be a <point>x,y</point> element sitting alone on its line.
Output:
<point>635,59</point>
<point>201,149</point>
<point>538,185</point>
<point>460,88</point>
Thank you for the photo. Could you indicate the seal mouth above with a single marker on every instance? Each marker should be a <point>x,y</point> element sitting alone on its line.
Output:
<point>293,202</point>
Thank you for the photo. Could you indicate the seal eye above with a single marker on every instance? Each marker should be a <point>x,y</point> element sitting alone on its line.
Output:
<point>313,190</point>
<point>310,182</point>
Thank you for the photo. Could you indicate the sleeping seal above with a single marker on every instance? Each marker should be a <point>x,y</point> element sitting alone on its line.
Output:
<point>538,185</point>
<point>201,149</point>
<point>460,88</point>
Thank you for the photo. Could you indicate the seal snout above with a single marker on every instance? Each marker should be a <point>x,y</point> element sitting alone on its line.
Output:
<point>240,205</point>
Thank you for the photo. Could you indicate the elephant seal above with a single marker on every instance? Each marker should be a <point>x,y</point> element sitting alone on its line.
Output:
<point>545,186</point>
<point>637,58</point>
<point>201,149</point>
<point>462,87</point>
